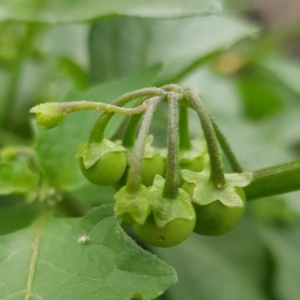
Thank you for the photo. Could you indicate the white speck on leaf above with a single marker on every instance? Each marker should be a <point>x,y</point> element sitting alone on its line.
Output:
<point>81,239</point>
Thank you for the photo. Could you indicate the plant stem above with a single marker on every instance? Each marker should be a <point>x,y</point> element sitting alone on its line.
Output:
<point>216,165</point>
<point>70,107</point>
<point>97,132</point>
<point>172,170</point>
<point>134,173</point>
<point>171,88</point>
<point>275,180</point>
<point>184,133</point>
<point>235,166</point>
<point>128,139</point>
<point>118,134</point>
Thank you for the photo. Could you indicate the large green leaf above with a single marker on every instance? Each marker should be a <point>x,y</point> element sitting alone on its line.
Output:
<point>57,148</point>
<point>285,70</point>
<point>121,46</point>
<point>16,216</point>
<point>44,261</point>
<point>89,10</point>
<point>217,268</point>
<point>284,245</point>
<point>260,98</point>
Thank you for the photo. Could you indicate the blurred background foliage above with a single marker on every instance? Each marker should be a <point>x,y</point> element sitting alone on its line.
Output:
<point>245,62</point>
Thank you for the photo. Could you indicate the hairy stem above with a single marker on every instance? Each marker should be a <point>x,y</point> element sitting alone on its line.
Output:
<point>134,173</point>
<point>171,88</point>
<point>70,107</point>
<point>129,136</point>
<point>216,165</point>
<point>97,132</point>
<point>172,170</point>
<point>234,164</point>
<point>275,180</point>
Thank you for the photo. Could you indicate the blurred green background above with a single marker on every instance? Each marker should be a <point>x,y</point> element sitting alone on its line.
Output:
<point>245,62</point>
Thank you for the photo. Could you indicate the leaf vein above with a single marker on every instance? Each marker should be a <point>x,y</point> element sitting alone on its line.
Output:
<point>13,254</point>
<point>34,257</point>
<point>64,271</point>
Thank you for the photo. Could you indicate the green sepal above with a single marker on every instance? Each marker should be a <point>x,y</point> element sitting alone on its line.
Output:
<point>166,210</point>
<point>149,151</point>
<point>198,149</point>
<point>205,192</point>
<point>48,115</point>
<point>133,208</point>
<point>92,152</point>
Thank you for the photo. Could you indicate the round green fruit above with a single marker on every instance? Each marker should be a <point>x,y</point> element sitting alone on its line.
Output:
<point>172,234</point>
<point>196,165</point>
<point>151,167</point>
<point>215,218</point>
<point>107,170</point>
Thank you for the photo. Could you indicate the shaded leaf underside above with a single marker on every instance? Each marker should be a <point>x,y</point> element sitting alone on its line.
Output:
<point>78,11</point>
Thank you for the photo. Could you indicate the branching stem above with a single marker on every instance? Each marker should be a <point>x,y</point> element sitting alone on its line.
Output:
<point>97,132</point>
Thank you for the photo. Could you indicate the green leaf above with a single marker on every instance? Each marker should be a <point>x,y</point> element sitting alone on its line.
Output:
<point>284,245</point>
<point>205,272</point>
<point>45,261</point>
<point>124,45</point>
<point>57,148</point>
<point>285,70</point>
<point>92,195</point>
<point>78,75</point>
<point>89,10</point>
<point>274,210</point>
<point>17,217</point>
<point>260,99</point>
<point>17,178</point>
